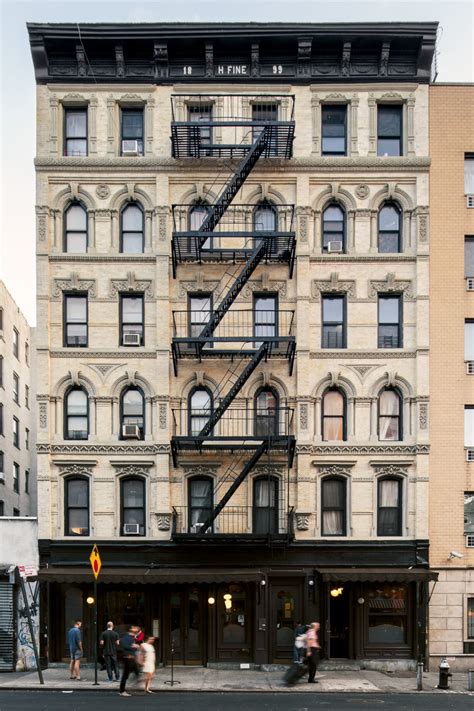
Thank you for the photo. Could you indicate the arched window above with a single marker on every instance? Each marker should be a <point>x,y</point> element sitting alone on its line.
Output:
<point>266,413</point>
<point>76,506</point>
<point>390,419</point>
<point>132,414</point>
<point>132,506</point>
<point>265,505</point>
<point>265,217</point>
<point>200,500</point>
<point>75,232</point>
<point>390,228</point>
<point>333,506</point>
<point>200,410</point>
<point>389,507</point>
<point>334,416</point>
<point>334,229</point>
<point>132,237</point>
<point>196,216</point>
<point>76,414</point>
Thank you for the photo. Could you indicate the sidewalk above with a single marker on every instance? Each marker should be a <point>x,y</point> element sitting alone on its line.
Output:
<point>201,679</point>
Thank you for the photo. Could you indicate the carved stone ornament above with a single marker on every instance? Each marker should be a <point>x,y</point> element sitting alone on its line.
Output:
<point>118,449</point>
<point>346,59</point>
<point>363,449</point>
<point>42,228</point>
<point>104,369</point>
<point>423,416</point>
<point>390,470</point>
<point>254,59</point>
<point>302,521</point>
<point>423,229</point>
<point>362,191</point>
<point>131,284</point>
<point>163,521</point>
<point>263,284</point>
<point>131,469</point>
<point>268,470</point>
<point>304,415</point>
<point>333,286</point>
<point>74,283</point>
<point>384,55</point>
<point>119,60</point>
<point>390,285</point>
<point>200,470</point>
<point>102,191</point>
<point>363,370</point>
<point>162,415</point>
<point>334,470</point>
<point>74,469</point>
<point>197,285</point>
<point>43,415</point>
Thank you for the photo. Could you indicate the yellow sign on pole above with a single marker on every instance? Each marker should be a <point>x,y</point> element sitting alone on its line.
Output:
<point>96,562</point>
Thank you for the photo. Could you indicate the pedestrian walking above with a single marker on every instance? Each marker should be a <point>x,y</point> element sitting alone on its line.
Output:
<point>148,660</point>
<point>129,649</point>
<point>300,642</point>
<point>74,640</point>
<point>312,651</point>
<point>109,641</point>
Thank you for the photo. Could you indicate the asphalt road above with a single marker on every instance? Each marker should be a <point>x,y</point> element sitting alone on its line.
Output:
<point>178,701</point>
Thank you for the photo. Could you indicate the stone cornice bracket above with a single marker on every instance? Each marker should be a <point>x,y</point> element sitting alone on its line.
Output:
<point>74,283</point>
<point>131,191</point>
<point>334,286</point>
<point>384,57</point>
<point>74,377</point>
<point>160,57</point>
<point>388,286</point>
<point>131,284</point>
<point>255,59</point>
<point>119,60</point>
<point>209,49</point>
<point>346,59</point>
<point>334,378</point>
<point>131,376</point>
<point>304,56</point>
<point>391,378</point>
<point>74,188</point>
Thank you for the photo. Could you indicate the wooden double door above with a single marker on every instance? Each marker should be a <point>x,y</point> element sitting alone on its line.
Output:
<point>186,622</point>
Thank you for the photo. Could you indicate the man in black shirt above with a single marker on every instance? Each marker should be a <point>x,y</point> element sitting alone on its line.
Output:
<point>109,641</point>
<point>129,649</point>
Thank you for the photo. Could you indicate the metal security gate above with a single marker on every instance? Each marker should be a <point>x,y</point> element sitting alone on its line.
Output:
<point>6,626</point>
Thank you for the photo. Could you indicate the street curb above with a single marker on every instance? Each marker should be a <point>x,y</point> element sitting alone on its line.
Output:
<point>286,690</point>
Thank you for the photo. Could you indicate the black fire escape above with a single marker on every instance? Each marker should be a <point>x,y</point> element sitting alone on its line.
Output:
<point>241,237</point>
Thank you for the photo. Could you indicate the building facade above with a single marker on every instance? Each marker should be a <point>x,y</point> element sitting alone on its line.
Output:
<point>233,335</point>
<point>452,390</point>
<point>17,423</point>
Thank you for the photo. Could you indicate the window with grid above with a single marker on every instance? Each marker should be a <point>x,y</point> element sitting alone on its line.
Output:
<point>333,326</point>
<point>469,173</point>
<point>75,321</point>
<point>27,438</point>
<point>75,132</point>
<point>389,415</point>
<point>262,113</point>
<point>389,228</point>
<point>132,131</point>
<point>27,397</point>
<point>199,314</point>
<point>200,410</point>
<point>469,513</point>
<point>133,409</point>
<point>200,135</point>
<point>333,506</point>
<point>200,500</point>
<point>131,320</point>
<point>334,229</point>
<point>390,322</point>
<point>27,481</point>
<point>265,315</point>
<point>389,130</point>
<point>333,416</point>
<point>76,414</point>
<point>133,504</point>
<point>389,507</point>
<point>76,507</point>
<point>334,132</point>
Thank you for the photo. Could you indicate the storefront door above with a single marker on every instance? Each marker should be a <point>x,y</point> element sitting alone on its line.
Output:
<point>186,636</point>
<point>338,625</point>
<point>285,613</point>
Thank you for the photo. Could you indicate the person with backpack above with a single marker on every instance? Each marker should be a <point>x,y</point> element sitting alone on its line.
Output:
<point>300,642</point>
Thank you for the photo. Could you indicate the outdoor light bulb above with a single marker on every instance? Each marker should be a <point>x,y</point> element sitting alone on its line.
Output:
<point>211,600</point>
<point>227,596</point>
<point>334,592</point>
<point>228,604</point>
<point>90,600</point>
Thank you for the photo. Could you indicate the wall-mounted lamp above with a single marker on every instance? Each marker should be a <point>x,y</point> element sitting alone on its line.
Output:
<point>90,600</point>
<point>211,600</point>
<point>311,582</point>
<point>335,592</point>
<point>263,583</point>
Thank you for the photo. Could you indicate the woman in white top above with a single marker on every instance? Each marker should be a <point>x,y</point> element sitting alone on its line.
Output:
<point>148,655</point>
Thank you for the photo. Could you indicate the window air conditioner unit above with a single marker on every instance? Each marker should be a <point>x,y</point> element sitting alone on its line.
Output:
<point>469,200</point>
<point>470,367</point>
<point>130,148</point>
<point>131,431</point>
<point>2,477</point>
<point>470,541</point>
<point>470,455</point>
<point>335,246</point>
<point>131,529</point>
<point>196,527</point>
<point>132,339</point>
<point>470,284</point>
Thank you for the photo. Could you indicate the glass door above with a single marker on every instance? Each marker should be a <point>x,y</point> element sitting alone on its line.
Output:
<point>286,610</point>
<point>186,629</point>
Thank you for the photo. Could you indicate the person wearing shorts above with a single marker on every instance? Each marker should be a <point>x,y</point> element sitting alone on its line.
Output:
<point>74,641</point>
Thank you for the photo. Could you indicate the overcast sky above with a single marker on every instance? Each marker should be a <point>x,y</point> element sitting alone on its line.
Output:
<point>17,117</point>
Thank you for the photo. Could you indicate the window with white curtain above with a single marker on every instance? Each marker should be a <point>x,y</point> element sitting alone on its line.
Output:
<point>389,507</point>
<point>333,416</point>
<point>75,134</point>
<point>75,234</point>
<point>265,505</point>
<point>200,502</point>
<point>76,414</point>
<point>196,216</point>
<point>266,413</point>
<point>200,410</point>
<point>132,240</point>
<point>469,425</point>
<point>76,506</point>
<point>389,415</point>
<point>333,506</point>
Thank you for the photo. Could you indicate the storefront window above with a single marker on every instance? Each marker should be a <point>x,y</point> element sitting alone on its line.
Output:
<point>125,608</point>
<point>234,618</point>
<point>387,608</point>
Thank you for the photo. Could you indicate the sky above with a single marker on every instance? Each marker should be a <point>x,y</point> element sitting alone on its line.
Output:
<point>17,85</point>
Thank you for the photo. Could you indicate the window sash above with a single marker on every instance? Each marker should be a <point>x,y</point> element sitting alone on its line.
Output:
<point>389,130</point>
<point>469,257</point>
<point>334,122</point>
<point>469,512</point>
<point>469,426</point>
<point>469,176</point>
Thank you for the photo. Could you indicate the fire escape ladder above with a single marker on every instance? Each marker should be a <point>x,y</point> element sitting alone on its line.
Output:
<point>241,174</point>
<point>257,357</point>
<point>259,452</point>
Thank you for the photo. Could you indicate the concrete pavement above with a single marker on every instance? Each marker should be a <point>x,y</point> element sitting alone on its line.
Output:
<point>206,680</point>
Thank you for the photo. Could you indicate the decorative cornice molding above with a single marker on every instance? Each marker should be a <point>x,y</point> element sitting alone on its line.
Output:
<point>326,258</point>
<point>75,469</point>
<point>107,449</point>
<point>382,355</point>
<point>66,353</point>
<point>337,450</point>
<point>335,470</point>
<point>390,285</point>
<point>123,258</point>
<point>74,283</point>
<point>133,285</point>
<point>333,286</point>
<point>389,469</point>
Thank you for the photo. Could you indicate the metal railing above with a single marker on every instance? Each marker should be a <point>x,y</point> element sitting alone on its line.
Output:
<point>237,325</point>
<point>255,521</point>
<point>243,218</point>
<point>235,423</point>
<point>231,108</point>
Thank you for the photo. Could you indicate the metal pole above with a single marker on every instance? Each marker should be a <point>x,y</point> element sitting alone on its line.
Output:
<point>419,676</point>
<point>30,625</point>
<point>96,683</point>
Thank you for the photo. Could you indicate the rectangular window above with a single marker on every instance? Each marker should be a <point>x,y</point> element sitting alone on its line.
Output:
<point>1,418</point>
<point>132,330</point>
<point>77,507</point>
<point>469,339</point>
<point>387,612</point>
<point>469,425</point>
<point>132,132</point>
<point>2,508</point>
<point>16,432</point>
<point>469,257</point>
<point>1,318</point>
<point>470,617</point>
<point>389,512</point>
<point>75,133</point>
<point>75,321</point>
<point>390,322</point>
<point>389,130</point>
<point>16,513</point>
<point>1,371</point>
<point>27,397</point>
<point>469,173</point>
<point>2,465</point>
<point>333,130</point>
<point>16,343</point>
<point>27,353</point>
<point>265,314</point>
<point>202,136</point>
<point>16,477</point>
<point>16,388</point>
<point>27,481</point>
<point>261,113</point>
<point>199,313</point>
<point>333,507</point>
<point>334,327</point>
<point>469,512</point>
<point>27,438</point>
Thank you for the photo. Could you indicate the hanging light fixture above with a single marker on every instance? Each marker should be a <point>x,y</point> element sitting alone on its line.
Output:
<point>335,592</point>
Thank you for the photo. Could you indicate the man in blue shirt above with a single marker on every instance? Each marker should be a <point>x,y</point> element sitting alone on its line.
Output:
<point>74,641</point>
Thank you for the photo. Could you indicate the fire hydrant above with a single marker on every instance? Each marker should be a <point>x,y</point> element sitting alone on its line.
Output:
<point>444,674</point>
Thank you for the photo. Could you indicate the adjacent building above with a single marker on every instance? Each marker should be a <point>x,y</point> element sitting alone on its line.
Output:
<point>451,370</point>
<point>233,285</point>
